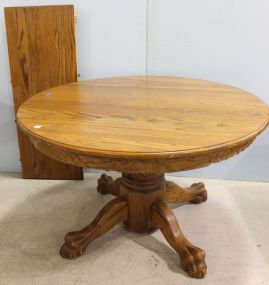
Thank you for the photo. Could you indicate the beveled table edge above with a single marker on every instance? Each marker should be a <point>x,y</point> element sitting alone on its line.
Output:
<point>170,154</point>
<point>146,162</point>
<point>141,164</point>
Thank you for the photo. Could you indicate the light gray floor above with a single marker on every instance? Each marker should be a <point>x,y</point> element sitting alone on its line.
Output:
<point>232,227</point>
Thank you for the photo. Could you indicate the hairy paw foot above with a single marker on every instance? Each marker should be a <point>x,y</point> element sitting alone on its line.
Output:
<point>193,261</point>
<point>201,193</point>
<point>103,183</point>
<point>74,246</point>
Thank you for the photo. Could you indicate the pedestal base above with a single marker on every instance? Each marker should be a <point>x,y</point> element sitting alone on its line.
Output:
<point>141,204</point>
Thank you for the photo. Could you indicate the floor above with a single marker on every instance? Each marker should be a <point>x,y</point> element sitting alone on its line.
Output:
<point>232,227</point>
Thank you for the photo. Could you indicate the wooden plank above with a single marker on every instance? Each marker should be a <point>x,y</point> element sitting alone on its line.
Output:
<point>42,54</point>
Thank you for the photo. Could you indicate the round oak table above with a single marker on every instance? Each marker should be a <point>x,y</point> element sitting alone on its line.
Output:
<point>143,127</point>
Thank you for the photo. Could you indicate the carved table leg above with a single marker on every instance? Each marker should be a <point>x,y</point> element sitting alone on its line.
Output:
<point>106,185</point>
<point>113,213</point>
<point>141,206</point>
<point>196,193</point>
<point>192,257</point>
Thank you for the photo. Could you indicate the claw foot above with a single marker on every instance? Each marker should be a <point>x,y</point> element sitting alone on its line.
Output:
<point>74,246</point>
<point>193,261</point>
<point>103,183</point>
<point>201,193</point>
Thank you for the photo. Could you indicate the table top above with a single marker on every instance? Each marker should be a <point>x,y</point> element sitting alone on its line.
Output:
<point>143,118</point>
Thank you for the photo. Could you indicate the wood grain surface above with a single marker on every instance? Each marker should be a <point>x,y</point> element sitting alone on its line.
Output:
<point>42,54</point>
<point>192,257</point>
<point>143,124</point>
<point>113,213</point>
<point>140,205</point>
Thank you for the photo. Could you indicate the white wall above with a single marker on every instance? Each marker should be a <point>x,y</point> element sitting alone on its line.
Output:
<point>218,40</point>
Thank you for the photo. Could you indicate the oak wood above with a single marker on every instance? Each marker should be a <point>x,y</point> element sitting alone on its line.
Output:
<point>42,54</point>
<point>174,193</point>
<point>143,127</point>
<point>142,207</point>
<point>141,191</point>
<point>106,185</point>
<point>192,257</point>
<point>114,212</point>
<point>196,193</point>
<point>143,124</point>
<point>147,209</point>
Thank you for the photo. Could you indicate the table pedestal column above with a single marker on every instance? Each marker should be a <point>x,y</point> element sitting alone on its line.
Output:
<point>141,191</point>
<point>141,204</point>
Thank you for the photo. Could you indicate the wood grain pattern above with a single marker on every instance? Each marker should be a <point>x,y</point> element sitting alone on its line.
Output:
<point>196,193</point>
<point>42,54</point>
<point>143,127</point>
<point>113,213</point>
<point>174,193</point>
<point>192,257</point>
<point>141,206</point>
<point>141,191</point>
<point>147,210</point>
<point>143,124</point>
<point>136,165</point>
<point>106,185</point>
